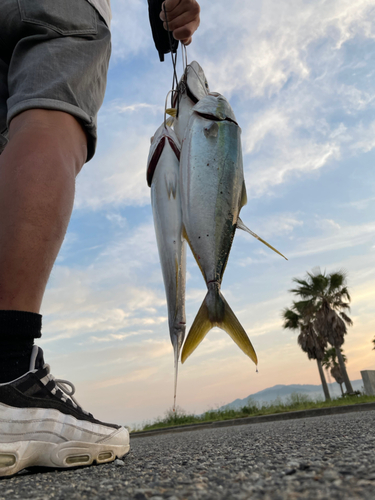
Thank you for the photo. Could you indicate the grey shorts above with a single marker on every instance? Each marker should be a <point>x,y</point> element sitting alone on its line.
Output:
<point>54,54</point>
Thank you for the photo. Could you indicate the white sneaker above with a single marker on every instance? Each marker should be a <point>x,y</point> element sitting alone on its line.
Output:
<point>41,424</point>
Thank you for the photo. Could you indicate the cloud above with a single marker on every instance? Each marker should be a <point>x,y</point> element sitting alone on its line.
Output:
<point>271,42</point>
<point>112,295</point>
<point>130,29</point>
<point>123,108</point>
<point>360,204</point>
<point>300,96</point>
<point>340,238</point>
<point>281,224</point>
<point>291,77</point>
<point>117,177</point>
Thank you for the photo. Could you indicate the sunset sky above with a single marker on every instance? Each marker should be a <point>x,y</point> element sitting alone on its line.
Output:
<point>300,76</point>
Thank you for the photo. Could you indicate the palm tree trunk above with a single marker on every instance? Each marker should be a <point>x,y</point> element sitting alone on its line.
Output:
<point>323,379</point>
<point>348,385</point>
<point>342,392</point>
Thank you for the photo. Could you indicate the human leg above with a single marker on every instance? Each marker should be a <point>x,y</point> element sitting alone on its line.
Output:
<point>46,150</point>
<point>53,68</point>
<point>56,74</point>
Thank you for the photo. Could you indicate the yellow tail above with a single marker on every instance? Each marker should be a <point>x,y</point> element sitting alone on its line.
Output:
<point>215,311</point>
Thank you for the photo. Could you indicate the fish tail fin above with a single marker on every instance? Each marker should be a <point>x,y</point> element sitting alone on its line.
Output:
<point>235,330</point>
<point>199,329</point>
<point>215,311</point>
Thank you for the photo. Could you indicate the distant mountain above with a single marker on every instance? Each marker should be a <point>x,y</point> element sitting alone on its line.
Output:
<point>283,392</point>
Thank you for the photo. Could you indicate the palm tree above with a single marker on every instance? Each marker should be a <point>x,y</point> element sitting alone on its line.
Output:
<point>373,341</point>
<point>297,318</point>
<point>330,363</point>
<point>328,296</point>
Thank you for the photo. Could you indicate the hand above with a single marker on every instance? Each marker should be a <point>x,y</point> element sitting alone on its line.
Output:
<point>183,18</point>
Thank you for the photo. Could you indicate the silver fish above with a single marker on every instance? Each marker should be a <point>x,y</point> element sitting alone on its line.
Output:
<point>212,195</point>
<point>192,87</point>
<point>163,177</point>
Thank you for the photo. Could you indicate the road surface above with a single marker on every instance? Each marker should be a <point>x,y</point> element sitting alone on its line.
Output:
<point>330,457</point>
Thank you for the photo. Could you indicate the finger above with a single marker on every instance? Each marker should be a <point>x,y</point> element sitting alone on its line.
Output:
<point>183,7</point>
<point>170,5</point>
<point>186,32</point>
<point>187,41</point>
<point>184,19</point>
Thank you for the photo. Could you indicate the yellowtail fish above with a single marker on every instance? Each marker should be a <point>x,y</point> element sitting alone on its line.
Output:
<point>212,195</point>
<point>163,178</point>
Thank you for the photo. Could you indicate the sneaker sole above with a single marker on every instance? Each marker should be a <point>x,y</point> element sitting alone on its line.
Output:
<point>20,455</point>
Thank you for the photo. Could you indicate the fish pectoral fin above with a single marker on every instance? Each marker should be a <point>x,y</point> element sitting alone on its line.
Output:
<point>241,225</point>
<point>211,130</point>
<point>199,329</point>
<point>234,329</point>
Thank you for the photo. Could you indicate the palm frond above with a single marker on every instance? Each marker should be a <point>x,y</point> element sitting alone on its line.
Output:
<point>305,308</point>
<point>336,281</point>
<point>346,318</point>
<point>345,293</point>
<point>291,319</point>
<point>301,282</point>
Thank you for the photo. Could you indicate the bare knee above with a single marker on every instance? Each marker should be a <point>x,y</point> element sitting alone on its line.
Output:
<point>51,133</point>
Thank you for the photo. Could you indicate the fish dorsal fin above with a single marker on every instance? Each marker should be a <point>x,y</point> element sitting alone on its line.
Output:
<point>241,225</point>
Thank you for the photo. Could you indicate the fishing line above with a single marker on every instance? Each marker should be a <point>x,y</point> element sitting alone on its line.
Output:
<point>174,58</point>
<point>184,59</point>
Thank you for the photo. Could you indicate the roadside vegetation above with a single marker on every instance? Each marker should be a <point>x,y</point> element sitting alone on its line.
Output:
<point>294,403</point>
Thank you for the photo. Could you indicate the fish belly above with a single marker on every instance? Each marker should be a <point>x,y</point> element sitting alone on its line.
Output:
<point>211,182</point>
<point>166,207</point>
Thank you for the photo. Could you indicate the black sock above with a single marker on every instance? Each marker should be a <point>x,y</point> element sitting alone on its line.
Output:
<point>18,329</point>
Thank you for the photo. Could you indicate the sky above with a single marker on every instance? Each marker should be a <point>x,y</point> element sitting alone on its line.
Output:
<point>300,76</point>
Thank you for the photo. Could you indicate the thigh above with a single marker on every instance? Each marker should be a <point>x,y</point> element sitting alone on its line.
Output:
<point>60,61</point>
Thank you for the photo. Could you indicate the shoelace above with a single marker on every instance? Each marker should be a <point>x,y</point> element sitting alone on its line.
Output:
<point>61,384</point>
<point>66,387</point>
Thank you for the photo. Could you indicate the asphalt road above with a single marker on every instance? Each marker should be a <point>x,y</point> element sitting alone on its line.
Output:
<point>329,457</point>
